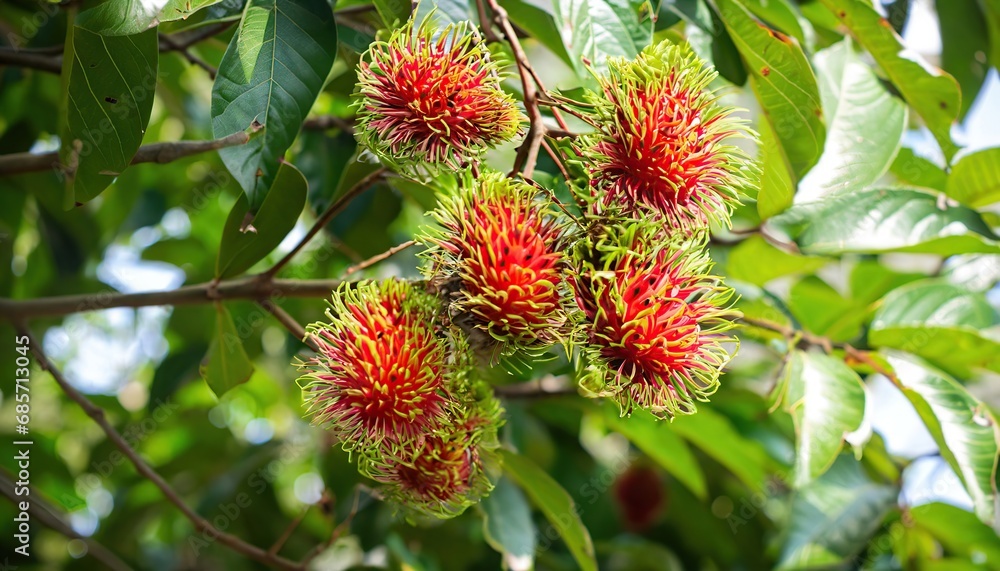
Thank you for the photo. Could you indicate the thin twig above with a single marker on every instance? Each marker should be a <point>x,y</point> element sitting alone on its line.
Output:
<point>361,9</point>
<point>377,258</point>
<point>289,322</point>
<point>184,51</point>
<point>253,288</point>
<point>484,22</point>
<point>325,218</point>
<point>527,153</point>
<point>186,39</point>
<point>161,153</point>
<point>31,60</point>
<point>41,511</point>
<point>288,532</point>
<point>97,414</point>
<point>325,122</point>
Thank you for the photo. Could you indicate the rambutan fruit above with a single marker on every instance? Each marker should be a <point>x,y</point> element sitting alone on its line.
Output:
<point>663,145</point>
<point>431,97</point>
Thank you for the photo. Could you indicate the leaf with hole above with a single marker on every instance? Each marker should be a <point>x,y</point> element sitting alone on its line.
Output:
<point>271,74</point>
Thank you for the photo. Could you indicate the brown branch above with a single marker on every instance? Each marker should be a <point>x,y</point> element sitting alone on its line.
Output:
<point>361,9</point>
<point>161,153</point>
<point>527,153</point>
<point>184,51</point>
<point>200,524</point>
<point>287,321</point>
<point>798,335</point>
<point>31,60</point>
<point>377,258</point>
<point>252,288</point>
<point>324,122</point>
<point>325,218</point>
<point>42,512</point>
<point>288,532</point>
<point>186,39</point>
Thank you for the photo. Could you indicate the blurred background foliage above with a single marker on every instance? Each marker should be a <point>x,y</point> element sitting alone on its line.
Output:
<point>874,227</point>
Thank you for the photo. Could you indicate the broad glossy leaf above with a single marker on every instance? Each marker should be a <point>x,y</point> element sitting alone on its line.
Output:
<point>109,84</point>
<point>716,436</point>
<point>822,309</point>
<point>931,92</point>
<point>658,441</point>
<point>277,216</point>
<point>958,531</point>
<point>757,262</point>
<point>508,526</point>
<point>784,83</point>
<point>833,518</point>
<point>555,503</point>
<point>886,220</point>
<point>777,190</point>
<point>540,24</point>
<point>963,427</point>
<point>443,12</point>
<point>827,402</point>
<point>227,364</point>
<point>975,178</point>
<point>950,326</point>
<point>274,68</point>
<point>915,170</point>
<point>963,37</point>
<point>865,125</point>
<point>128,17</point>
<point>593,30</point>
<point>393,12</point>
<point>779,14</point>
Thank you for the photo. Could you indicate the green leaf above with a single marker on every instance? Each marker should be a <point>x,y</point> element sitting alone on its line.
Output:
<point>777,190</point>
<point>914,170</point>
<point>885,220</point>
<point>975,178</point>
<point>716,436</point>
<point>779,14</point>
<point>555,503</point>
<point>865,125</point>
<point>660,443</point>
<point>757,262</point>
<point>393,12</point>
<point>827,402</point>
<point>824,311</point>
<point>109,85</point>
<point>444,11</point>
<point>540,24</point>
<point>128,17</point>
<point>963,427</point>
<point>594,30</point>
<point>784,83</point>
<point>950,326</point>
<point>243,247</point>
<point>833,518</point>
<point>508,527</point>
<point>274,68</point>
<point>992,9</point>
<point>958,531</point>
<point>931,92</point>
<point>227,363</point>
<point>964,45</point>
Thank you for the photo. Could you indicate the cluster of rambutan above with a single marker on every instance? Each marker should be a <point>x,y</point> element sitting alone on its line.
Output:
<point>625,285</point>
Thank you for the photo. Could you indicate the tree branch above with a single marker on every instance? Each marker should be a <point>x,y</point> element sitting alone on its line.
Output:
<point>377,258</point>
<point>325,218</point>
<point>41,511</point>
<point>184,51</point>
<point>17,163</point>
<point>200,523</point>
<point>253,288</point>
<point>527,153</point>
<point>31,59</point>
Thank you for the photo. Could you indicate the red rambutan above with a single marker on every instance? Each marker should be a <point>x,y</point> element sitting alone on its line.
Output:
<point>382,371</point>
<point>662,141</point>
<point>432,97</point>
<point>501,244</point>
<point>655,322</point>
